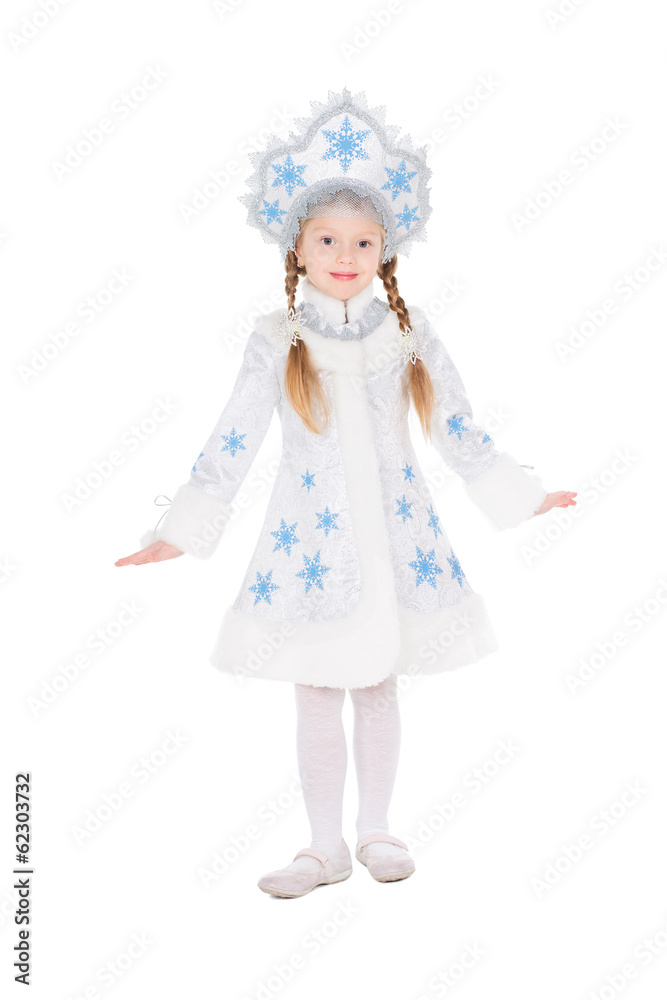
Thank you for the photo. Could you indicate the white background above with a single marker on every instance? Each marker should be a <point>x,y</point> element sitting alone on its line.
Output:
<point>560,588</point>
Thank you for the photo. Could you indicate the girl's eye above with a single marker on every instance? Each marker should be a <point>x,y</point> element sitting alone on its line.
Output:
<point>326,238</point>
<point>365,241</point>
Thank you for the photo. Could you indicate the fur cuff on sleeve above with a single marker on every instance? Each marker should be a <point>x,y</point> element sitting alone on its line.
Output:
<point>195,521</point>
<point>507,494</point>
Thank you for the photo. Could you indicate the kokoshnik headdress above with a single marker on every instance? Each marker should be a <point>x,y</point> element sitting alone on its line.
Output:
<point>345,162</point>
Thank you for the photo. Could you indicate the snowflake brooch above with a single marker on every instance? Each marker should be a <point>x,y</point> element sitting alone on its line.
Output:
<point>413,345</point>
<point>288,328</point>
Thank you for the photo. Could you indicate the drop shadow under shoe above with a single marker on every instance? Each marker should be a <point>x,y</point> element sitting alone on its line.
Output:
<point>282,882</point>
<point>385,867</point>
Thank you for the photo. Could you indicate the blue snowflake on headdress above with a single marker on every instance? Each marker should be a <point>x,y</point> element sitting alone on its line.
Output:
<point>426,567</point>
<point>288,175</point>
<point>327,521</point>
<point>263,587</point>
<point>403,508</point>
<point>308,479</point>
<point>407,216</point>
<point>285,537</point>
<point>201,455</point>
<point>312,571</point>
<point>399,180</point>
<point>409,474</point>
<point>485,438</point>
<point>233,442</point>
<point>434,521</point>
<point>457,572</point>
<point>272,212</point>
<point>456,425</point>
<point>346,144</point>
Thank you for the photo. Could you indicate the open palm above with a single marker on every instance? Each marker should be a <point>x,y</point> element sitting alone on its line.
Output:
<point>155,552</point>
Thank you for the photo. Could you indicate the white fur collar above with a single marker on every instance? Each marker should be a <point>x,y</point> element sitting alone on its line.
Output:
<point>361,357</point>
<point>336,310</point>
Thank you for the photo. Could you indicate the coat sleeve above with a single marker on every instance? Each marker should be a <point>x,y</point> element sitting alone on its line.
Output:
<point>506,492</point>
<point>202,506</point>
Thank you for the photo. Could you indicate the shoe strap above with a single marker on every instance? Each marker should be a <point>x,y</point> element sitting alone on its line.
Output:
<point>385,838</point>
<point>312,853</point>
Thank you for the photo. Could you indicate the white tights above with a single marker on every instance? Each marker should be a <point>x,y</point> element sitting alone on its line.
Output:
<point>322,760</point>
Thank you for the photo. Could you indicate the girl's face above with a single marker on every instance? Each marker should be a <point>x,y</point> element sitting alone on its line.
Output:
<point>341,255</point>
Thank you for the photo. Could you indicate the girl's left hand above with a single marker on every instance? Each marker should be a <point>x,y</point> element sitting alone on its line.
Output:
<point>562,498</point>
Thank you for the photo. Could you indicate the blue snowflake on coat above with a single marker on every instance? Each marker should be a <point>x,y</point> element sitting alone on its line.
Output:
<point>201,455</point>
<point>403,508</point>
<point>327,521</point>
<point>289,175</point>
<point>263,587</point>
<point>345,144</point>
<point>456,425</point>
<point>233,442</point>
<point>409,474</point>
<point>285,537</point>
<point>434,521</point>
<point>426,567</point>
<point>457,572</point>
<point>312,571</point>
<point>308,479</point>
<point>399,180</point>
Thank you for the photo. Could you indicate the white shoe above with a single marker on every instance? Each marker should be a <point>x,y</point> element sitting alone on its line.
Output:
<point>385,867</point>
<point>284,882</point>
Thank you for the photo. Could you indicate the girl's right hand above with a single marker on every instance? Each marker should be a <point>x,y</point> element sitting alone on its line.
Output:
<point>155,552</point>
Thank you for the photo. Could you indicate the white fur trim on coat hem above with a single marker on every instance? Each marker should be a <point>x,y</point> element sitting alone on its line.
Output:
<point>195,522</point>
<point>507,494</point>
<point>339,653</point>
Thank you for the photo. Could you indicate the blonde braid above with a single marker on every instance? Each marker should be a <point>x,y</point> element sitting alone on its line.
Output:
<point>419,380</point>
<point>302,382</point>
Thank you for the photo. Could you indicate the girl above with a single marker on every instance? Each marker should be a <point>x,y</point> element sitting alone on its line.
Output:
<point>353,580</point>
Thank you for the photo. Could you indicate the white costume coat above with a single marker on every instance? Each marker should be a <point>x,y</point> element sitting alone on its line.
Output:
<point>352,576</point>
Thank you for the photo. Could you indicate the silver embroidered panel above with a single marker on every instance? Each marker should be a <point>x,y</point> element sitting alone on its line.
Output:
<point>305,566</point>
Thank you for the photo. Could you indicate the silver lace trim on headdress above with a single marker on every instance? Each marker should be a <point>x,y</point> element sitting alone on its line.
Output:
<point>363,156</point>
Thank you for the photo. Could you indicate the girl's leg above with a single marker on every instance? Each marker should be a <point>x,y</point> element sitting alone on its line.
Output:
<point>322,760</point>
<point>377,738</point>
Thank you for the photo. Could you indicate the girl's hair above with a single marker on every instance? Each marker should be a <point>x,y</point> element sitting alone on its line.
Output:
<point>302,383</point>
